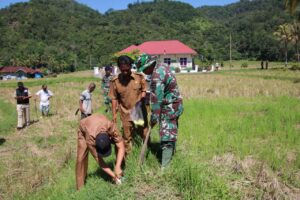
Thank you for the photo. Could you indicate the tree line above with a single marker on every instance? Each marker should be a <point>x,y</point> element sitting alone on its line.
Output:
<point>63,35</point>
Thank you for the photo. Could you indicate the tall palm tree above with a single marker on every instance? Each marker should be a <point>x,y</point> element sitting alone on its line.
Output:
<point>283,34</point>
<point>292,4</point>
<point>295,36</point>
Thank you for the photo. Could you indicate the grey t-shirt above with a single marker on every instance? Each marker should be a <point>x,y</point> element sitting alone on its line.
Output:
<point>86,98</point>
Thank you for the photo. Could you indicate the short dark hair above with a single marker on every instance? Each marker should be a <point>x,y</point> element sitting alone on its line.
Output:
<point>124,60</point>
<point>92,84</point>
<point>103,145</point>
<point>20,84</point>
<point>108,68</point>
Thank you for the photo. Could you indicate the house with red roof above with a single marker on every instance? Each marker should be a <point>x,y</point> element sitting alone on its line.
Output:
<point>20,72</point>
<point>172,52</point>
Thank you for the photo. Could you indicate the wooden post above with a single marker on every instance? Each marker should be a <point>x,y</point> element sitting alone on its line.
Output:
<point>230,55</point>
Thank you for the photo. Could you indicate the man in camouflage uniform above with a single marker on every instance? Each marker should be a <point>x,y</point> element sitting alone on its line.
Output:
<point>165,102</point>
<point>105,87</point>
<point>126,90</point>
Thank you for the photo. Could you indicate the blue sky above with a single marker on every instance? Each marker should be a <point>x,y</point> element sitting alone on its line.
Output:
<point>103,5</point>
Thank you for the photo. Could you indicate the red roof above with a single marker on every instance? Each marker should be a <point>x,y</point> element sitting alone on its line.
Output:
<point>161,47</point>
<point>130,48</point>
<point>13,69</point>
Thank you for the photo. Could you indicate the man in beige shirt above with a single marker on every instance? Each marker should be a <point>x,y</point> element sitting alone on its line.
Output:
<point>95,134</point>
<point>126,90</point>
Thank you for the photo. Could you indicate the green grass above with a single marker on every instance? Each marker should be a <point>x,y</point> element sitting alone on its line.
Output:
<point>253,73</point>
<point>255,64</point>
<point>48,81</point>
<point>235,125</point>
<point>264,128</point>
<point>228,148</point>
<point>8,119</point>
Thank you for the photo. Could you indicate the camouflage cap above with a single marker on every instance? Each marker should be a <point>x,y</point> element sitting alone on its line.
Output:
<point>144,61</point>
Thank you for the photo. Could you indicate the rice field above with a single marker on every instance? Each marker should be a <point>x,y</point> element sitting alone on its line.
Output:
<point>238,139</point>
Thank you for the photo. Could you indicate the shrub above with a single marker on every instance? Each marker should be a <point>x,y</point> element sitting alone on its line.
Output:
<point>244,65</point>
<point>295,67</point>
<point>177,70</point>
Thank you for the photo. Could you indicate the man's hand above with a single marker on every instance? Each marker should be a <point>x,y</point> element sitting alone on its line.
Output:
<point>142,99</point>
<point>152,124</point>
<point>118,172</point>
<point>117,181</point>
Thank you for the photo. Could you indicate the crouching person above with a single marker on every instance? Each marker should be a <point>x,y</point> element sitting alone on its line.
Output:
<point>95,134</point>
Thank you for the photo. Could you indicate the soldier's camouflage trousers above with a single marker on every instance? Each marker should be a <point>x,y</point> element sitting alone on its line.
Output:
<point>107,100</point>
<point>168,129</point>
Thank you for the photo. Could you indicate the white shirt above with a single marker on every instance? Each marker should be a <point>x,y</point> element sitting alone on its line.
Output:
<point>44,97</point>
<point>86,98</point>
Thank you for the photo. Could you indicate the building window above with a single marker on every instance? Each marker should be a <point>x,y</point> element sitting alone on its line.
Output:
<point>183,62</point>
<point>167,61</point>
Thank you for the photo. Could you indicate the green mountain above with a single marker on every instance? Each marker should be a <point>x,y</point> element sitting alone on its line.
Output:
<point>63,34</point>
<point>251,23</point>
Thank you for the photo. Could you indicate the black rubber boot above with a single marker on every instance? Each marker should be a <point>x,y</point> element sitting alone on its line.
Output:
<point>167,149</point>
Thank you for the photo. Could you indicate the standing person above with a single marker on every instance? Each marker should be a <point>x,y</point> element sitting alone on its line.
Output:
<point>126,90</point>
<point>85,102</point>
<point>165,102</point>
<point>106,85</point>
<point>45,96</point>
<point>262,64</point>
<point>22,96</point>
<point>267,64</point>
<point>95,135</point>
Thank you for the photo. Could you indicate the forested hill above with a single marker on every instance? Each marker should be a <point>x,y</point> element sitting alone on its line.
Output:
<point>252,23</point>
<point>63,34</point>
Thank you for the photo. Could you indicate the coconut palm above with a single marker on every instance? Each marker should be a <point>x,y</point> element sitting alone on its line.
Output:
<point>283,34</point>
<point>295,36</point>
<point>292,4</point>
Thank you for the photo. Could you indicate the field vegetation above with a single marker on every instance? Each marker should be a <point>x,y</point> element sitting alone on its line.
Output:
<point>238,139</point>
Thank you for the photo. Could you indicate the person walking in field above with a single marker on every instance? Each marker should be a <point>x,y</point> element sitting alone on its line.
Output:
<point>262,64</point>
<point>22,95</point>
<point>45,95</point>
<point>95,135</point>
<point>165,102</point>
<point>85,101</point>
<point>105,85</point>
<point>126,90</point>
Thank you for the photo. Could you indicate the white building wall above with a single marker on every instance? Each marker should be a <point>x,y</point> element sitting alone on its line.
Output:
<point>175,60</point>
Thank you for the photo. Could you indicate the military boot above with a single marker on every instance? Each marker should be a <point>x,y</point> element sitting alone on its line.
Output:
<point>167,152</point>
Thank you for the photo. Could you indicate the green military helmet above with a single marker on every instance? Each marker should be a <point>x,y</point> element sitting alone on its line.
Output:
<point>144,61</point>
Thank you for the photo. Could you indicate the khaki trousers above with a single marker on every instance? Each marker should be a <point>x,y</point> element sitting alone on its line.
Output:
<point>23,115</point>
<point>129,131</point>
<point>82,160</point>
